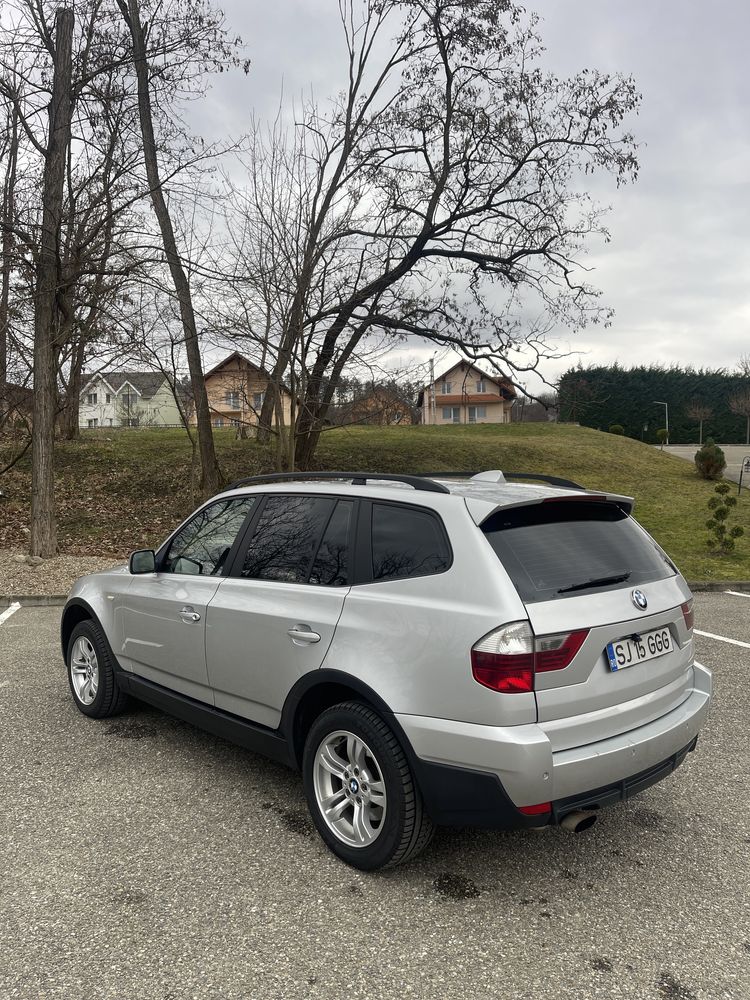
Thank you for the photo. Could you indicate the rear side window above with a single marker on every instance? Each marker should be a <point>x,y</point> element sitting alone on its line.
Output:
<point>406,542</point>
<point>557,550</point>
<point>286,538</point>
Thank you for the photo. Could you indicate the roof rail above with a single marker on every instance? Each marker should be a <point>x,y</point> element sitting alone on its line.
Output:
<point>552,480</point>
<point>422,483</point>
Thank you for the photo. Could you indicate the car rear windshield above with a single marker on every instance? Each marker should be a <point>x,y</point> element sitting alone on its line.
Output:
<point>561,549</point>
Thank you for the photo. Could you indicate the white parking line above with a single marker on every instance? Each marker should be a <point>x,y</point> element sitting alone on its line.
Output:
<point>736,593</point>
<point>9,611</point>
<point>723,638</point>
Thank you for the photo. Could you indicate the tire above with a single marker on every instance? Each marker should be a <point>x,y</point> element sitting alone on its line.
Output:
<point>91,673</point>
<point>375,823</point>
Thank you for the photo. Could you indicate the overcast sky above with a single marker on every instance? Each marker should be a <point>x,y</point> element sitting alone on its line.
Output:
<point>677,271</point>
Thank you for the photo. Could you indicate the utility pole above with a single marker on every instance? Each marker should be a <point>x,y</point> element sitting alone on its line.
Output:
<point>666,416</point>
<point>433,415</point>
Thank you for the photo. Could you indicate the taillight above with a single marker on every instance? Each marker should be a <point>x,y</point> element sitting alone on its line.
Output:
<point>553,652</point>
<point>688,614</point>
<point>507,658</point>
<point>504,659</point>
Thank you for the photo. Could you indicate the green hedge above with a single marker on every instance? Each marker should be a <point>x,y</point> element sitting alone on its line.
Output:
<point>600,396</point>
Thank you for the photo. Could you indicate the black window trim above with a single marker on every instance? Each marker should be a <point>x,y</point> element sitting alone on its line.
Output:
<point>236,559</point>
<point>364,541</point>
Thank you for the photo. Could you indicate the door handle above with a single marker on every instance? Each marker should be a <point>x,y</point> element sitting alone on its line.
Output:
<point>302,633</point>
<point>188,615</point>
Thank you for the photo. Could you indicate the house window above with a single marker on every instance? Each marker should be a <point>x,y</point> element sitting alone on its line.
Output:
<point>477,413</point>
<point>93,423</point>
<point>445,388</point>
<point>131,422</point>
<point>219,422</point>
<point>128,399</point>
<point>233,400</point>
<point>109,397</point>
<point>91,399</point>
<point>452,414</point>
<point>480,386</point>
<point>258,400</point>
<point>109,422</point>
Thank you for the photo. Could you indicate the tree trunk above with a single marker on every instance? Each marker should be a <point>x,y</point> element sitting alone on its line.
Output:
<point>69,418</point>
<point>700,435</point>
<point>747,431</point>
<point>211,475</point>
<point>9,190</point>
<point>43,523</point>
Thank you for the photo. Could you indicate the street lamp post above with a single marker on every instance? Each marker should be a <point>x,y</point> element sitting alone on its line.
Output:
<point>666,415</point>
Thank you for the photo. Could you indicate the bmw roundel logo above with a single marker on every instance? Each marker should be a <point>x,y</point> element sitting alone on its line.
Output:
<point>639,599</point>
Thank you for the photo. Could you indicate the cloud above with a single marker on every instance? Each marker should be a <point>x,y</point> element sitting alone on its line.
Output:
<point>677,270</point>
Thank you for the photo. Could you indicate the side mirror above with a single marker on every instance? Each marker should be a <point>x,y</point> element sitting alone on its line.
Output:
<point>143,561</point>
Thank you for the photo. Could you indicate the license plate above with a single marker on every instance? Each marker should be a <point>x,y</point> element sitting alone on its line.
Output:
<point>639,648</point>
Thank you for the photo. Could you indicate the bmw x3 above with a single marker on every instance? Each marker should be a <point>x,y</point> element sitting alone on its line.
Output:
<point>445,650</point>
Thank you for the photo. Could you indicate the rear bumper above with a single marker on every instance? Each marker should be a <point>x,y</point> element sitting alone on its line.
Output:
<point>479,775</point>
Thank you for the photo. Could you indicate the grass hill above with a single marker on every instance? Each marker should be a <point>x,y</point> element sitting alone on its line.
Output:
<point>122,490</point>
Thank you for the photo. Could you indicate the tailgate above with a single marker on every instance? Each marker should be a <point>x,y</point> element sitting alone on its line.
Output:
<point>585,565</point>
<point>587,700</point>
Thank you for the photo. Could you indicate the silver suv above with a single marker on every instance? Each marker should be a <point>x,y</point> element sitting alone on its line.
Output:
<point>446,650</point>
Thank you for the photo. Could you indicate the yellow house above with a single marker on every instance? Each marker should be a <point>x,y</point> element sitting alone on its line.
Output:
<point>466,395</point>
<point>236,388</point>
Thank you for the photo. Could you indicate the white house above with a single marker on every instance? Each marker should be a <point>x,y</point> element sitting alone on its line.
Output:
<point>127,399</point>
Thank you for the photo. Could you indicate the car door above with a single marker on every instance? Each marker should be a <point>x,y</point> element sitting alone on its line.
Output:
<point>164,613</point>
<point>273,618</point>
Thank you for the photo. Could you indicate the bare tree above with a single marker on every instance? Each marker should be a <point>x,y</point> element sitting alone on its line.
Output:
<point>438,196</point>
<point>195,38</point>
<point>699,411</point>
<point>739,403</point>
<point>46,307</point>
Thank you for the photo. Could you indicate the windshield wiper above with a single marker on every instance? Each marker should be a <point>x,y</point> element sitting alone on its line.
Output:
<point>599,581</point>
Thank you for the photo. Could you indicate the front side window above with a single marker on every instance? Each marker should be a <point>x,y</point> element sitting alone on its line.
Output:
<point>477,413</point>
<point>109,397</point>
<point>91,399</point>
<point>445,389</point>
<point>233,400</point>
<point>480,386</point>
<point>406,542</point>
<point>258,400</point>
<point>286,538</point>
<point>201,547</point>
<point>93,423</point>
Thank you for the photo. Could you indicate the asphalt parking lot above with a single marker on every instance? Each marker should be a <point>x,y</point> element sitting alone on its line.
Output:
<point>145,860</point>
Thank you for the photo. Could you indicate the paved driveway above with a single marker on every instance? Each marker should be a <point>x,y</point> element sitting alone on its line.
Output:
<point>735,454</point>
<point>144,860</point>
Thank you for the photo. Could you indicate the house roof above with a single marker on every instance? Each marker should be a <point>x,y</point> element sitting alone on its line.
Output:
<point>245,361</point>
<point>239,357</point>
<point>147,384</point>
<point>507,387</point>
<point>17,395</point>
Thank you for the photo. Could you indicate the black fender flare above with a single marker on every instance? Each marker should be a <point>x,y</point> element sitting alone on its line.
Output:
<point>65,629</point>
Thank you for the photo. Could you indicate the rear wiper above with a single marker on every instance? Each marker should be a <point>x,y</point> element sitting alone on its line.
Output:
<point>599,581</point>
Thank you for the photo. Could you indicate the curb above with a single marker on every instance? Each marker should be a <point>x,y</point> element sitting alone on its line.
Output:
<point>34,601</point>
